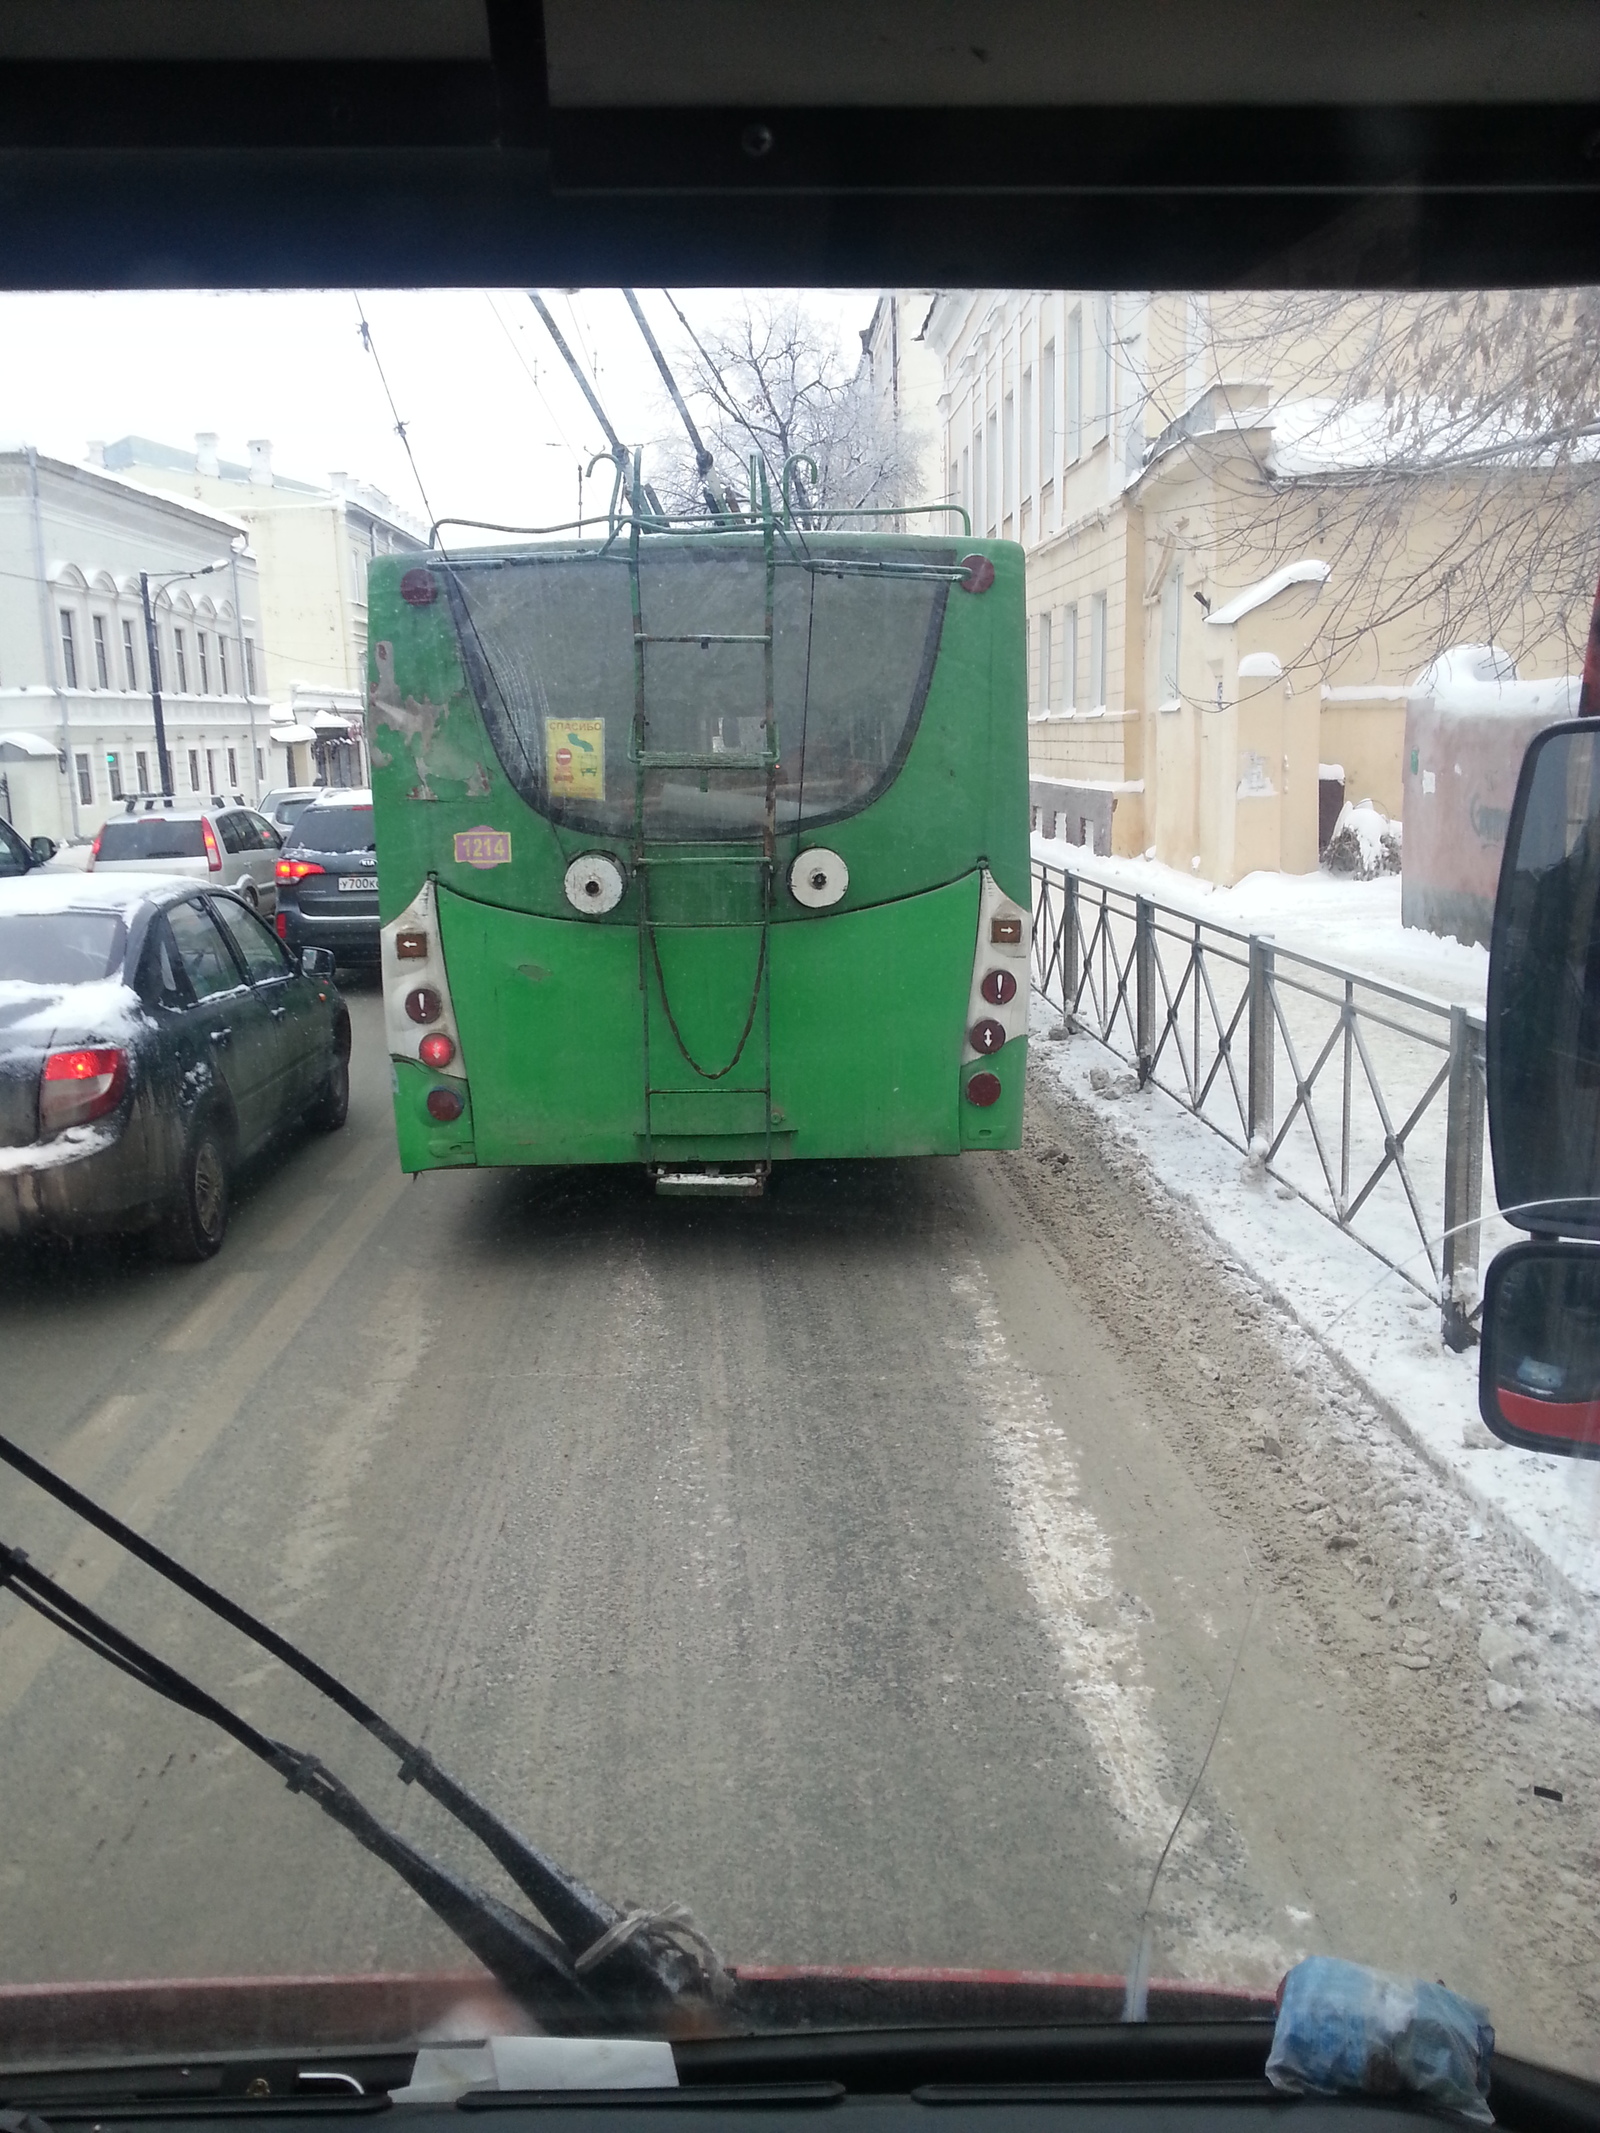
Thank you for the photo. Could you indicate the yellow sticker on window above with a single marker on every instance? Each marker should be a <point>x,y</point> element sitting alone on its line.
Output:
<point>575,758</point>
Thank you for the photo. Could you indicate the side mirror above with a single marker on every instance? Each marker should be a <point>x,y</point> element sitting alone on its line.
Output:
<point>42,848</point>
<point>1543,1026</point>
<point>1539,1366</point>
<point>317,962</point>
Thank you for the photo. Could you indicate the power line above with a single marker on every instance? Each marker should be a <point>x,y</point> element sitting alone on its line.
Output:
<point>400,427</point>
<point>533,376</point>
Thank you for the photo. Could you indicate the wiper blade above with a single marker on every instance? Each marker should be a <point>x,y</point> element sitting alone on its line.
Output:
<point>595,1956</point>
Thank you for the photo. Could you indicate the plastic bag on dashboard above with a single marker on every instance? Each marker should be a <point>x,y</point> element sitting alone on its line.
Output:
<point>1342,2027</point>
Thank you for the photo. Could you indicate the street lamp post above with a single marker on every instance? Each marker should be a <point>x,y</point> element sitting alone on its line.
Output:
<point>152,652</point>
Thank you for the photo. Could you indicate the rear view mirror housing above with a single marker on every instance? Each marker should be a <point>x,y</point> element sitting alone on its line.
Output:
<point>43,849</point>
<point>1539,1365</point>
<point>316,962</point>
<point>1543,1023</point>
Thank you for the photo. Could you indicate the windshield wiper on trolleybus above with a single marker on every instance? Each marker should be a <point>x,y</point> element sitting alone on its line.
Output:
<point>587,1965</point>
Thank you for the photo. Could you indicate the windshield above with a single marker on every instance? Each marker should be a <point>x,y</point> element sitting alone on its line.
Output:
<point>152,837</point>
<point>60,947</point>
<point>836,1265</point>
<point>332,829</point>
<point>550,644</point>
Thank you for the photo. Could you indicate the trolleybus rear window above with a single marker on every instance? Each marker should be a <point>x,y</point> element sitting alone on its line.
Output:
<point>549,642</point>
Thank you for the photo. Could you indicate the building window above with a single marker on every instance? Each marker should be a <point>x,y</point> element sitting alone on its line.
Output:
<point>85,781</point>
<point>194,770</point>
<point>205,662</point>
<point>183,662</point>
<point>1097,653</point>
<point>233,770</point>
<point>1047,413</point>
<point>114,773</point>
<point>1069,658</point>
<point>1008,454</point>
<point>991,485</point>
<point>141,763</point>
<point>1074,386</point>
<point>222,663</point>
<point>250,666</point>
<point>102,665</point>
<point>1046,657</point>
<point>1025,455</point>
<point>211,770</point>
<point>966,479</point>
<point>157,680</point>
<point>130,665</point>
<point>69,649</point>
<point>261,769</point>
<point>1106,357</point>
<point>1171,645</point>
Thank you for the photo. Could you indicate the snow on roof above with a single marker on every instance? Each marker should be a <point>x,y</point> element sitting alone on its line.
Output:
<point>1261,666</point>
<point>1310,570</point>
<point>1467,662</point>
<point>29,744</point>
<point>46,889</point>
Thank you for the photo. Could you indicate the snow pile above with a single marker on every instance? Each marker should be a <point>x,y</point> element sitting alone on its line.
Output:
<point>1365,842</point>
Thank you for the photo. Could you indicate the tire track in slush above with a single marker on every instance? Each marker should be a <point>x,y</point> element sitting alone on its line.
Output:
<point>1067,1558</point>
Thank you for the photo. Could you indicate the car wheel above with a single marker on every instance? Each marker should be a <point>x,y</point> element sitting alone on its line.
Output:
<point>331,1106</point>
<point>198,1219</point>
<point>250,893</point>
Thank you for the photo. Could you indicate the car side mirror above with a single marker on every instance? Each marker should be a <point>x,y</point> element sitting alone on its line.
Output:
<point>1539,1365</point>
<point>43,849</point>
<point>317,962</point>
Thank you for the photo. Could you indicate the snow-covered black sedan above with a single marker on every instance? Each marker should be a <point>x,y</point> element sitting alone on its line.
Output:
<point>153,1037</point>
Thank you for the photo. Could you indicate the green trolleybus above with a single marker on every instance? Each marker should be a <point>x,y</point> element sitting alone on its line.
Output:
<point>702,849</point>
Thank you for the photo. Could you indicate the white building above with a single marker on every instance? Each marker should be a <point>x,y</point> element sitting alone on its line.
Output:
<point>77,723</point>
<point>313,541</point>
<point>905,374</point>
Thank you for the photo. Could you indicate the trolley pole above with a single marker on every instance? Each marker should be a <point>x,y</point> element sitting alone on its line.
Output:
<point>153,655</point>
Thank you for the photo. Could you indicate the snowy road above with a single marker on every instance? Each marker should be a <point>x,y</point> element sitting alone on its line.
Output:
<point>863,1567</point>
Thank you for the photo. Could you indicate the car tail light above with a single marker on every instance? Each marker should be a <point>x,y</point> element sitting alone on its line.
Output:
<point>423,1004</point>
<point>79,1085</point>
<point>445,1105</point>
<point>213,849</point>
<point>94,849</point>
<point>297,869</point>
<point>283,925</point>
<point>998,987</point>
<point>983,1090</point>
<point>987,1036</point>
<point>436,1050</point>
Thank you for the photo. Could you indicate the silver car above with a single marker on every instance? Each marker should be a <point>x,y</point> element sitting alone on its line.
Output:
<point>231,847</point>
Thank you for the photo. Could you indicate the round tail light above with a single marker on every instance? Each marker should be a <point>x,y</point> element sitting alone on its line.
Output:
<point>982,1090</point>
<point>986,1037</point>
<point>423,1004</point>
<point>998,987</point>
<point>436,1050</point>
<point>446,1106</point>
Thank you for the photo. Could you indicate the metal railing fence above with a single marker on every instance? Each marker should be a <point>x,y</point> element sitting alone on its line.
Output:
<point>1360,1098</point>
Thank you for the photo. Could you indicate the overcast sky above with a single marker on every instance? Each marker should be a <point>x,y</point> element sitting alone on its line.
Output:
<point>494,419</point>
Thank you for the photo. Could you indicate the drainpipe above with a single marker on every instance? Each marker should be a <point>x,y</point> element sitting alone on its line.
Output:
<point>47,641</point>
<point>244,671</point>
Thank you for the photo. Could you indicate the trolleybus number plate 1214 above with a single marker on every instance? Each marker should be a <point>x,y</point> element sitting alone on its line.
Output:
<point>483,848</point>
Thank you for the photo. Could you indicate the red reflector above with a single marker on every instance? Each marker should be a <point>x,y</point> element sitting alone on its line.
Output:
<point>410,947</point>
<point>986,1036</point>
<point>297,869</point>
<point>977,574</point>
<point>998,987</point>
<point>983,1090</point>
<point>423,1004</point>
<point>436,1049</point>
<point>444,1105</point>
<point>283,925</point>
<point>79,1085</point>
<point>418,589</point>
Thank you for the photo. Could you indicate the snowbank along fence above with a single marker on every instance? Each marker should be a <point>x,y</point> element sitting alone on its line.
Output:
<point>1362,1099</point>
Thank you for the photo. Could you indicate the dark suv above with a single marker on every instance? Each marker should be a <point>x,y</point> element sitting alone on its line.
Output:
<point>328,878</point>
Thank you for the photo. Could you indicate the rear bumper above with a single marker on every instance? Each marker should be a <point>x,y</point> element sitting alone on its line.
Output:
<point>350,933</point>
<point>85,1181</point>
